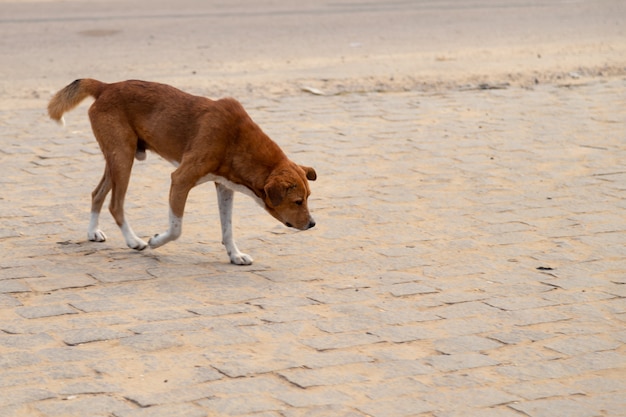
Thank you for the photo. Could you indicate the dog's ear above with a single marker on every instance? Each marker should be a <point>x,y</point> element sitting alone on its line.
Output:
<point>275,191</point>
<point>311,175</point>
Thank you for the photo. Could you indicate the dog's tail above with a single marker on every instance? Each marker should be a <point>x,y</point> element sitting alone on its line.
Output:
<point>71,96</point>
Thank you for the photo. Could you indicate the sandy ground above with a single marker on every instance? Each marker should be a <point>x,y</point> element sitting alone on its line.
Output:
<point>470,249</point>
<point>275,47</point>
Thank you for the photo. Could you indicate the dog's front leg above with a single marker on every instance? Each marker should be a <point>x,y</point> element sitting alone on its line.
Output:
<point>173,233</point>
<point>179,190</point>
<point>225,202</point>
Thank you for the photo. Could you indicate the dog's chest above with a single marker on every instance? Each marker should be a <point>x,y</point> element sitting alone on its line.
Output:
<point>235,187</point>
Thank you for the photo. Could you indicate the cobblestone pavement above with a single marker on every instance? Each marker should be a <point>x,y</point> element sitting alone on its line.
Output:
<point>469,260</point>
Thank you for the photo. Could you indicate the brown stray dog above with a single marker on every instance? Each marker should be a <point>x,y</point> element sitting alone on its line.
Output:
<point>206,140</point>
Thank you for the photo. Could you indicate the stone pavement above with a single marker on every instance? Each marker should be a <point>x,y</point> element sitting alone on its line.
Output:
<point>469,260</point>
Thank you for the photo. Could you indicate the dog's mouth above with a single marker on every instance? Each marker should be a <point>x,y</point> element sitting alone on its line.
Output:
<point>309,225</point>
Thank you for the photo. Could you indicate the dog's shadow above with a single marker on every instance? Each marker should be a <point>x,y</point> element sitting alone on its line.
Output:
<point>108,264</point>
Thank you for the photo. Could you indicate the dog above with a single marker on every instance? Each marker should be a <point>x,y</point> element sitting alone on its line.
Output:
<point>206,140</point>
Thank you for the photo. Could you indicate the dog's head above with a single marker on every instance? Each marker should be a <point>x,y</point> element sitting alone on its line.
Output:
<point>286,194</point>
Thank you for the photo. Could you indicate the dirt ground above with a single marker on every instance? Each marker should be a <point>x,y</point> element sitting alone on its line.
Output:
<point>278,47</point>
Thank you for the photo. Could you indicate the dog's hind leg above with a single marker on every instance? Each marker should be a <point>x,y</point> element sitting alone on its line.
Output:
<point>225,198</point>
<point>118,143</point>
<point>97,200</point>
<point>120,177</point>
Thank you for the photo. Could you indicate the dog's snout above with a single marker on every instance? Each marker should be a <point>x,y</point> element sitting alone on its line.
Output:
<point>311,223</point>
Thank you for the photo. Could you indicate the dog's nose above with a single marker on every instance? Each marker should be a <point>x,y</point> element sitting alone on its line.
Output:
<point>311,223</point>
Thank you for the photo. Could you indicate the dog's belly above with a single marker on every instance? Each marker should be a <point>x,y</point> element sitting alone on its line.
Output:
<point>235,187</point>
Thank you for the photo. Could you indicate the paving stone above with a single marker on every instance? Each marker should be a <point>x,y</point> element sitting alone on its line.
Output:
<point>240,405</point>
<point>585,296</point>
<point>553,406</point>
<point>341,341</point>
<point>8,301</point>
<point>259,385</point>
<point>18,378</point>
<point>35,312</point>
<point>283,302</point>
<point>162,315</point>
<point>16,359</point>
<point>517,335</point>
<point>596,361</point>
<point>322,359</point>
<point>342,296</point>
<point>467,309</point>
<point>399,407</point>
<point>14,410</point>
<point>222,310</point>
<point>564,368</point>
<point>99,305</point>
<point>168,326</point>
<point>463,326</point>
<point>79,336</point>
<point>287,316</point>
<point>180,395</point>
<point>480,397</point>
<point>535,316</point>
<point>405,333</point>
<point>408,289</point>
<point>344,324</point>
<point>118,276</point>
<point>599,384</point>
<point>166,272</point>
<point>519,303</point>
<point>402,316</point>
<point>483,412</point>
<point>311,397</point>
<point>607,403</point>
<point>398,387</point>
<point>57,283</point>
<point>66,371</point>
<point>399,368</point>
<point>19,272</point>
<point>477,378</point>
<point>306,378</point>
<point>17,396</point>
<point>169,410</point>
<point>13,286</point>
<point>25,341</point>
<point>219,336</point>
<point>89,387</point>
<point>525,355</point>
<point>249,366</point>
<point>463,344</point>
<point>534,390</point>
<point>322,411</point>
<point>578,345</point>
<point>70,354</point>
<point>99,405</point>
<point>95,320</point>
<point>149,342</point>
<point>395,277</point>
<point>457,361</point>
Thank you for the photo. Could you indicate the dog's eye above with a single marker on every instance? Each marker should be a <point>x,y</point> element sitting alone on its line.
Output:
<point>299,202</point>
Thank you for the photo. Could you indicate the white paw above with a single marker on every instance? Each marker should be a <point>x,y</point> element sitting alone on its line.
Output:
<point>157,241</point>
<point>137,244</point>
<point>132,241</point>
<point>97,236</point>
<point>241,259</point>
